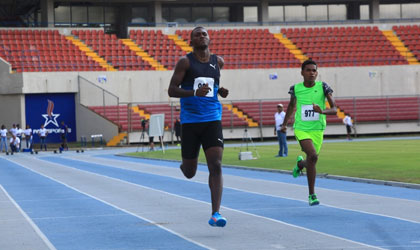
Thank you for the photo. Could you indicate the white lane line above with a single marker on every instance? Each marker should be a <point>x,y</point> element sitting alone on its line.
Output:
<point>33,225</point>
<point>191,199</point>
<point>109,204</point>
<point>257,179</point>
<point>326,205</point>
<point>270,195</point>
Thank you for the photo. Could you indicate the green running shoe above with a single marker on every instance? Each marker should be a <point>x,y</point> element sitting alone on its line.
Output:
<point>297,171</point>
<point>313,200</point>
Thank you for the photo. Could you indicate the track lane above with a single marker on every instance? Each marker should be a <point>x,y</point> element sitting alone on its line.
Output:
<point>163,207</point>
<point>359,227</point>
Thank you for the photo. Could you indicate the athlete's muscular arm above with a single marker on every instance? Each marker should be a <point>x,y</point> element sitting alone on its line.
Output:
<point>289,112</point>
<point>222,91</point>
<point>221,62</point>
<point>330,111</point>
<point>180,70</point>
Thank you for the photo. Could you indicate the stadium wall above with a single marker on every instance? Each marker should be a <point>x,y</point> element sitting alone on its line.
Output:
<point>151,86</point>
<point>249,84</point>
<point>11,99</point>
<point>12,110</point>
<point>9,83</point>
<point>90,123</point>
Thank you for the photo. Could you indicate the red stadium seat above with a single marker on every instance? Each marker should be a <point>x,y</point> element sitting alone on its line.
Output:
<point>330,46</point>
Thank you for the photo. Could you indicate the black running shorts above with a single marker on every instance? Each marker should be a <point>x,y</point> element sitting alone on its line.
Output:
<point>207,134</point>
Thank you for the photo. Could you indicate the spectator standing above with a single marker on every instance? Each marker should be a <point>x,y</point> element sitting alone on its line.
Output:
<point>19,132</point>
<point>281,135</point>
<point>13,130</point>
<point>349,124</point>
<point>3,135</point>
<point>63,133</point>
<point>177,127</point>
<point>151,143</point>
<point>42,136</point>
<point>28,136</point>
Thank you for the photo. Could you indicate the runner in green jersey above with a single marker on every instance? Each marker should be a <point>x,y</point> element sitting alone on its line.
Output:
<point>309,99</point>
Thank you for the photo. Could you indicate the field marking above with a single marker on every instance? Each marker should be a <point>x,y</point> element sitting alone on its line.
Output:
<point>235,167</point>
<point>259,193</point>
<point>348,209</point>
<point>191,199</point>
<point>29,220</point>
<point>107,203</point>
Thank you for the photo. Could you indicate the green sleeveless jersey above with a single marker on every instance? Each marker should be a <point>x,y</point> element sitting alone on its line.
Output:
<point>305,117</point>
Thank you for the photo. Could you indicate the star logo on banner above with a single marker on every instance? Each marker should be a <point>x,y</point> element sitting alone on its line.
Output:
<point>50,117</point>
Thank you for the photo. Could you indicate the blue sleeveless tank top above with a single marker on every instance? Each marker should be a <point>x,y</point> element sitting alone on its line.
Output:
<point>201,109</point>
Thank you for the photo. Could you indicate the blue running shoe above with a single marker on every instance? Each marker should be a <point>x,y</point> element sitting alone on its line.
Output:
<point>217,220</point>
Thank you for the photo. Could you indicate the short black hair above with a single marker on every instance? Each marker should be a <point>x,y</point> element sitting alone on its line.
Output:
<point>196,28</point>
<point>307,62</point>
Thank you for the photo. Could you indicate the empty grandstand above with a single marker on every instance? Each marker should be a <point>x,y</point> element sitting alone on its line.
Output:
<point>117,69</point>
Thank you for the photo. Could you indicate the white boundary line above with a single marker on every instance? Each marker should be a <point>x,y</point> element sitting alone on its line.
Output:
<point>183,197</point>
<point>348,209</point>
<point>107,203</point>
<point>259,193</point>
<point>262,170</point>
<point>33,225</point>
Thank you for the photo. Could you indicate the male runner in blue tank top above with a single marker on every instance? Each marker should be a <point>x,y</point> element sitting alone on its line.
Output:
<point>196,82</point>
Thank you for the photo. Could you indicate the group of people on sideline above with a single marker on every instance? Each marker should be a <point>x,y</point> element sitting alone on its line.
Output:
<point>12,139</point>
<point>17,134</point>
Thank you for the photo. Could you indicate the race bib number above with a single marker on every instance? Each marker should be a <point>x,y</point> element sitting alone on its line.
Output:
<point>201,81</point>
<point>308,113</point>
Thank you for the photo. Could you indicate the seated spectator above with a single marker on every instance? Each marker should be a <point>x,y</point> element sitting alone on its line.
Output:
<point>14,144</point>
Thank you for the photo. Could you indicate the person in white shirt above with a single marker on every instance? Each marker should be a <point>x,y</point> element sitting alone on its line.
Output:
<point>28,136</point>
<point>281,136</point>
<point>13,130</point>
<point>19,132</point>
<point>14,144</point>
<point>42,135</point>
<point>349,124</point>
<point>3,135</point>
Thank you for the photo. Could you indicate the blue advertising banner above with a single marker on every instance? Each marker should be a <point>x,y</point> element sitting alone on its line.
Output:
<point>51,110</point>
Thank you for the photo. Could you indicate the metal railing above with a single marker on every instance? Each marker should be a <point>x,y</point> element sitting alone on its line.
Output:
<point>99,100</point>
<point>363,110</point>
<point>385,109</point>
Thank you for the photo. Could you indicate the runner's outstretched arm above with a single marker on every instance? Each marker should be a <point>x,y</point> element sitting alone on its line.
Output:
<point>289,112</point>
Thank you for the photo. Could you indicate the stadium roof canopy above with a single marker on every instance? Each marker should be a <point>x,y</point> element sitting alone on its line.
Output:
<point>27,13</point>
<point>274,2</point>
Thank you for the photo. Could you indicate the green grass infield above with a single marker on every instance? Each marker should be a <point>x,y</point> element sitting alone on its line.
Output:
<point>388,160</point>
